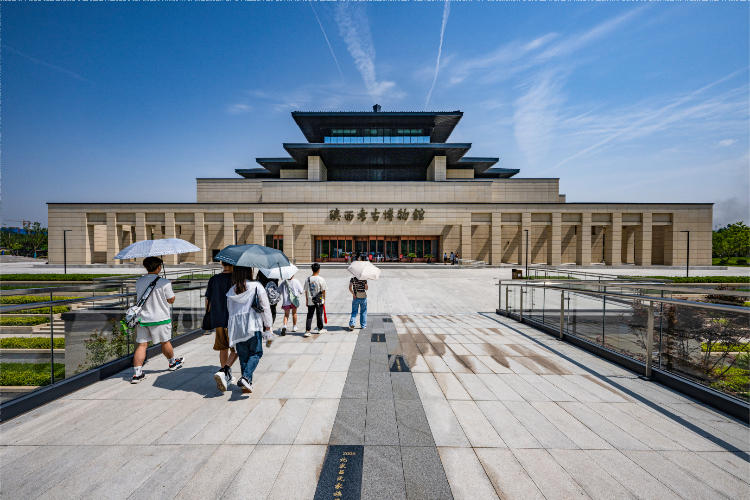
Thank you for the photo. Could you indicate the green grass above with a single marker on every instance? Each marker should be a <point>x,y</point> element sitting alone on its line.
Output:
<point>699,279</point>
<point>731,261</point>
<point>31,299</point>
<point>54,277</point>
<point>30,343</point>
<point>195,277</point>
<point>29,373</point>
<point>549,278</point>
<point>725,347</point>
<point>23,320</point>
<point>44,310</point>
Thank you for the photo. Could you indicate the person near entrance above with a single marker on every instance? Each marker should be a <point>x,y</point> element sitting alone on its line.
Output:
<point>358,289</point>
<point>291,290</point>
<point>216,305</point>
<point>453,259</point>
<point>315,297</point>
<point>155,323</point>
<point>445,257</point>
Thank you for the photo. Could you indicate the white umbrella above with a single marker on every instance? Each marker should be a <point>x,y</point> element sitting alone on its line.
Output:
<point>364,270</point>
<point>286,272</point>
<point>156,248</point>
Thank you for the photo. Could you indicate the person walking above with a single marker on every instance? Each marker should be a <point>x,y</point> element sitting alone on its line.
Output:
<point>216,304</point>
<point>155,323</point>
<point>445,256</point>
<point>358,289</point>
<point>249,316</point>
<point>315,297</point>
<point>453,259</point>
<point>272,290</point>
<point>291,290</point>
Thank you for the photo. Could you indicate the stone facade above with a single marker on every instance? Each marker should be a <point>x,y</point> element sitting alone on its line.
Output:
<point>485,219</point>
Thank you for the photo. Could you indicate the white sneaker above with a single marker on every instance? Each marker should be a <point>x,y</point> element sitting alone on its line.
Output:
<point>221,380</point>
<point>321,331</point>
<point>294,328</point>
<point>307,334</point>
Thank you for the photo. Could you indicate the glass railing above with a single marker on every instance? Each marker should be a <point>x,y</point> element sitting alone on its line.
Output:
<point>51,334</point>
<point>702,335</point>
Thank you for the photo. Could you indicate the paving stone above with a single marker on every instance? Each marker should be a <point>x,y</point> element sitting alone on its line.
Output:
<point>381,427</point>
<point>298,476</point>
<point>551,479</point>
<point>413,428</point>
<point>403,387</point>
<point>212,480</point>
<point>258,472</point>
<point>356,385</point>
<point>349,426</point>
<point>595,481</point>
<point>286,425</point>
<point>509,478</point>
<point>382,474</point>
<point>465,474</point>
<point>379,386</point>
<point>176,472</point>
<point>424,476</point>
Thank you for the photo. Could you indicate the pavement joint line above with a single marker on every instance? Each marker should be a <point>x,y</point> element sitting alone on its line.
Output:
<point>676,418</point>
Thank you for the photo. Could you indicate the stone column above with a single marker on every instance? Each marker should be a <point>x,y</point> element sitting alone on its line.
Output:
<point>288,236</point>
<point>583,241</point>
<point>316,169</point>
<point>670,245</point>
<point>613,241</point>
<point>228,229</point>
<point>496,239</point>
<point>465,252</point>
<point>525,226</point>
<point>200,239</point>
<point>643,235</point>
<point>258,232</point>
<point>554,241</point>
<point>140,229</point>
<point>112,241</point>
<point>170,232</point>
<point>436,170</point>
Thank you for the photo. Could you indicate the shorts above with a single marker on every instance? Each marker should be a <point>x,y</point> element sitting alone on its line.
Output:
<point>221,341</point>
<point>156,334</point>
<point>289,307</point>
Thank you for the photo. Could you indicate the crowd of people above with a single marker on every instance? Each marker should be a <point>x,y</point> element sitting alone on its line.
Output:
<point>241,305</point>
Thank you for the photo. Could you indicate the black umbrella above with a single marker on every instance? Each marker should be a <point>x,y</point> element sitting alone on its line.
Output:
<point>252,256</point>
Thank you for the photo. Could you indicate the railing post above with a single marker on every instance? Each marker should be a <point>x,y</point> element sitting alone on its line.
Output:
<point>507,304</point>
<point>649,339</point>
<point>520,308</point>
<point>500,297</point>
<point>51,341</point>
<point>562,314</point>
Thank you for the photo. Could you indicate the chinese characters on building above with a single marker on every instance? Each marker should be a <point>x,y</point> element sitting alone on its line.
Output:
<point>387,214</point>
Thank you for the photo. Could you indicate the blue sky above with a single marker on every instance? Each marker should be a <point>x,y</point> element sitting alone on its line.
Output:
<point>624,102</point>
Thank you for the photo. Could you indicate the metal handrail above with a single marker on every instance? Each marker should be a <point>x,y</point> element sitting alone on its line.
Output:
<point>697,291</point>
<point>608,277</point>
<point>720,307</point>
<point>36,291</point>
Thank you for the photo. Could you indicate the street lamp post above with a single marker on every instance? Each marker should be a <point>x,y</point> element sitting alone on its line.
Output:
<point>527,253</point>
<point>688,253</point>
<point>65,251</point>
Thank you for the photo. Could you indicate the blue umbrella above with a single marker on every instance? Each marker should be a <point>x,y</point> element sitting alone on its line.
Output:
<point>252,256</point>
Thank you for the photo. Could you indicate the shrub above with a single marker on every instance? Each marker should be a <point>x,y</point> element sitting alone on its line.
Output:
<point>725,347</point>
<point>53,277</point>
<point>324,256</point>
<point>32,299</point>
<point>548,278</point>
<point>195,277</point>
<point>699,279</point>
<point>29,373</point>
<point>100,349</point>
<point>30,343</point>
<point>44,310</point>
<point>23,320</point>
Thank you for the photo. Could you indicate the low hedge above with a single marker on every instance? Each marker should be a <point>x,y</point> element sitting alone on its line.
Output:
<point>29,373</point>
<point>32,299</point>
<point>30,343</point>
<point>548,278</point>
<point>23,320</point>
<point>54,277</point>
<point>725,347</point>
<point>44,310</point>
<point>195,277</point>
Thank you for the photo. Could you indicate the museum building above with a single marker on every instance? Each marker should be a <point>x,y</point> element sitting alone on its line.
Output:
<point>388,184</point>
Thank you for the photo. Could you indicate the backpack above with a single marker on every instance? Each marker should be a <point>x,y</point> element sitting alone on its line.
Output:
<point>273,293</point>
<point>133,314</point>
<point>317,296</point>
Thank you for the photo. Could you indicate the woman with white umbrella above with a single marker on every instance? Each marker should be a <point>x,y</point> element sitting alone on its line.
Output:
<point>291,290</point>
<point>362,271</point>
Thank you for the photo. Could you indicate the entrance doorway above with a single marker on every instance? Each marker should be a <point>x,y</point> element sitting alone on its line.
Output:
<point>376,248</point>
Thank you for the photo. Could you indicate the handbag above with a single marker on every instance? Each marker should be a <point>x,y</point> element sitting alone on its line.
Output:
<point>256,305</point>
<point>206,325</point>
<point>293,299</point>
<point>361,295</point>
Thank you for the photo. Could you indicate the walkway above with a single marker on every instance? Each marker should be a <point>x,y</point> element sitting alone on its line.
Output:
<point>489,409</point>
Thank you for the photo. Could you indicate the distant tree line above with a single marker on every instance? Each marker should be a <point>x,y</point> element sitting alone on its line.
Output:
<point>30,244</point>
<point>732,241</point>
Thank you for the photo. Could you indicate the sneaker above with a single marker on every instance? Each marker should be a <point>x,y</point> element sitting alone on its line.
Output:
<point>137,378</point>
<point>294,328</point>
<point>307,333</point>
<point>351,328</point>
<point>321,331</point>
<point>221,380</point>
<point>178,362</point>
<point>245,385</point>
<point>283,332</point>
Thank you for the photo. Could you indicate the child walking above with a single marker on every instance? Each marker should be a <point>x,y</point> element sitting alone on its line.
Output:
<point>291,291</point>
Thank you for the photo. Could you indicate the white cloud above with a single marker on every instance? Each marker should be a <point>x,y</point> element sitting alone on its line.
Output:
<point>354,29</point>
<point>446,12</point>
<point>237,109</point>
<point>725,143</point>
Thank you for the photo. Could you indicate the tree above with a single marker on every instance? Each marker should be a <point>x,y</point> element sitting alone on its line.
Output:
<point>732,241</point>
<point>11,241</point>
<point>36,238</point>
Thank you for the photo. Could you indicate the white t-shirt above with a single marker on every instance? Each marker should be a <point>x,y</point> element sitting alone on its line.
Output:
<point>318,283</point>
<point>156,307</point>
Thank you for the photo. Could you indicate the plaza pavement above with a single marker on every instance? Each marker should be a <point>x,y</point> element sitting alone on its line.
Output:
<point>490,409</point>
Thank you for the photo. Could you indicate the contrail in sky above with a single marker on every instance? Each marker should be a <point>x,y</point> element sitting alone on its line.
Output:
<point>329,43</point>
<point>446,11</point>
<point>39,61</point>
